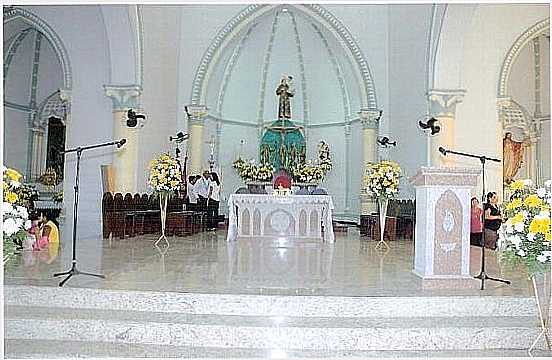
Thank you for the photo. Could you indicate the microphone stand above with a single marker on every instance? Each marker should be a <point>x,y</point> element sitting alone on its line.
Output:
<point>482,274</point>
<point>74,270</point>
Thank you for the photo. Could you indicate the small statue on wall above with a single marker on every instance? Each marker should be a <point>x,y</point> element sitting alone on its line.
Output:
<point>513,157</point>
<point>285,92</point>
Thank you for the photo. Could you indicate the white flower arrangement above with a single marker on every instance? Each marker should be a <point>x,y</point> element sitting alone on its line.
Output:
<point>250,171</point>
<point>15,219</point>
<point>165,175</point>
<point>308,173</point>
<point>526,233</point>
<point>382,179</point>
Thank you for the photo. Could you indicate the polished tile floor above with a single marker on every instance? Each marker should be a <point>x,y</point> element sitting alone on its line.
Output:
<point>206,263</point>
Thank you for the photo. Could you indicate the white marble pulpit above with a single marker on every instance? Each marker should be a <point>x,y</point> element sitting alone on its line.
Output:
<point>293,216</point>
<point>442,241</point>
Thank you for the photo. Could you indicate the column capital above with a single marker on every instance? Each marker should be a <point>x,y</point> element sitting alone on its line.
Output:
<point>124,97</point>
<point>369,118</point>
<point>442,102</point>
<point>196,113</point>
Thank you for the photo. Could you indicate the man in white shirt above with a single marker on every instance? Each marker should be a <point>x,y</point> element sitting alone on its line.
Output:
<point>192,195</point>
<point>201,188</point>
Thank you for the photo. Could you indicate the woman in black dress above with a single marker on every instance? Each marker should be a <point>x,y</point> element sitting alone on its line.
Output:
<point>493,220</point>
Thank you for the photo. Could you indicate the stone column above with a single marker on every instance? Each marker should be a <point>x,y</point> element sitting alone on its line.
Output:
<point>370,125</point>
<point>196,122</point>
<point>125,159</point>
<point>442,104</point>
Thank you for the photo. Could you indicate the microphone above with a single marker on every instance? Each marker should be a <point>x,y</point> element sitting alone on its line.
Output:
<point>443,151</point>
<point>121,143</point>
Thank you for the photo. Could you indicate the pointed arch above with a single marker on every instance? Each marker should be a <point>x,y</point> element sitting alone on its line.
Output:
<point>13,13</point>
<point>313,11</point>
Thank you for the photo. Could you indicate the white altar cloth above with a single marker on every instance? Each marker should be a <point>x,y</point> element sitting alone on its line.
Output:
<point>300,216</point>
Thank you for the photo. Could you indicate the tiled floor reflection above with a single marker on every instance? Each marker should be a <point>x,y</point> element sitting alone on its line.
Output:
<point>207,263</point>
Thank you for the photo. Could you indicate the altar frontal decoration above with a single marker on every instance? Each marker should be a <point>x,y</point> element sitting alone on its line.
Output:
<point>165,179</point>
<point>382,182</point>
<point>525,235</point>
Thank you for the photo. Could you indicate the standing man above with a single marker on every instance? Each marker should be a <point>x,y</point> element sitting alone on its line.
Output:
<point>202,190</point>
<point>191,199</point>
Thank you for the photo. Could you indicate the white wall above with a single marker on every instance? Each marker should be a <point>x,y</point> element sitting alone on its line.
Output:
<point>408,33</point>
<point>91,115</point>
<point>16,132</point>
<point>488,37</point>
<point>161,69</point>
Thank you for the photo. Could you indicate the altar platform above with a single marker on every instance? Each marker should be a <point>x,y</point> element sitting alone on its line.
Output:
<point>207,263</point>
<point>204,297</point>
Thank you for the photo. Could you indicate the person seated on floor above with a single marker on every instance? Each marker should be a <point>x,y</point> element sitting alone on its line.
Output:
<point>49,232</point>
<point>32,233</point>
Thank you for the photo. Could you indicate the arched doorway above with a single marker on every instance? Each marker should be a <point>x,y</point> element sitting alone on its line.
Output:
<point>37,78</point>
<point>524,106</point>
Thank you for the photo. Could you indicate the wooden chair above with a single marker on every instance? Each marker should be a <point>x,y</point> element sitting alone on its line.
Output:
<point>107,214</point>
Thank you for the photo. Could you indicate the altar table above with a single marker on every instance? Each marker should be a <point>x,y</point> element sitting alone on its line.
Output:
<point>299,216</point>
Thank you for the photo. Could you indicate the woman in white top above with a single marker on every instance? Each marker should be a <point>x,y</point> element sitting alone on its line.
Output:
<point>213,204</point>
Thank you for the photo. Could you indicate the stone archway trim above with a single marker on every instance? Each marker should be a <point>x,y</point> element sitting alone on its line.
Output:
<point>247,15</point>
<point>12,13</point>
<point>538,29</point>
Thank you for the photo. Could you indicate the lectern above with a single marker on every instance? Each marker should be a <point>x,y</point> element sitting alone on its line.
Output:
<point>442,242</point>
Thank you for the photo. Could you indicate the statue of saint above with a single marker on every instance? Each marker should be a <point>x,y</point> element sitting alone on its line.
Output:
<point>513,157</point>
<point>285,91</point>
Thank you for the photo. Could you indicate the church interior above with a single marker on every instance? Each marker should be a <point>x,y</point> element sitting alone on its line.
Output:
<point>276,180</point>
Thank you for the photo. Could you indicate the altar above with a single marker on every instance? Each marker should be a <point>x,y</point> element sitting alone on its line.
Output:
<point>272,216</point>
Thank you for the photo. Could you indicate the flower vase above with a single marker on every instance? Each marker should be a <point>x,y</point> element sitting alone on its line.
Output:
<point>382,203</point>
<point>163,200</point>
<point>541,291</point>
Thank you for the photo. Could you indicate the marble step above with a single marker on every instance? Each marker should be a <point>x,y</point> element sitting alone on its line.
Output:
<point>238,332</point>
<point>49,313</point>
<point>21,349</point>
<point>270,305</point>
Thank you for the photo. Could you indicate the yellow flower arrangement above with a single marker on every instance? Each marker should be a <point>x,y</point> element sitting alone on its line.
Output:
<point>15,220</point>
<point>517,185</point>
<point>514,204</point>
<point>382,179</point>
<point>10,197</point>
<point>13,174</point>
<point>526,233</point>
<point>532,201</point>
<point>165,174</point>
<point>518,218</point>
